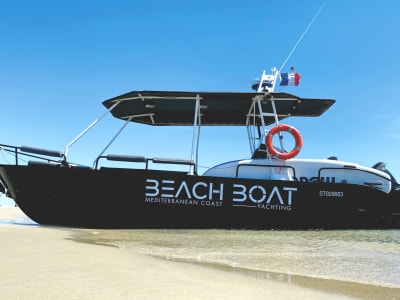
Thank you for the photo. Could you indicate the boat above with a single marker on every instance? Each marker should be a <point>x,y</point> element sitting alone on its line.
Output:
<point>271,188</point>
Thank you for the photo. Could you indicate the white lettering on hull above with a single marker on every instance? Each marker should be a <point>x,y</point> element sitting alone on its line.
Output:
<point>155,188</point>
<point>201,193</point>
<point>258,194</point>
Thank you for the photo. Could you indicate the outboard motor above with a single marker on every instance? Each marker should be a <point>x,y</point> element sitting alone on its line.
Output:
<point>381,166</point>
<point>2,188</point>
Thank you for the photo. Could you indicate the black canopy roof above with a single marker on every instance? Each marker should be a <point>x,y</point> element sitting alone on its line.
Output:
<point>217,108</point>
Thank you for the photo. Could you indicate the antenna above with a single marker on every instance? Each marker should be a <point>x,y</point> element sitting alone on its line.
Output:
<point>301,37</point>
<point>267,82</point>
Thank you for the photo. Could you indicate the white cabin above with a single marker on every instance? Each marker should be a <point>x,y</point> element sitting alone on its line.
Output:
<point>311,170</point>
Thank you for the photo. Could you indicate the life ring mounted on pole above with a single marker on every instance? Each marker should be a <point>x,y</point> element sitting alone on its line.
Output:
<point>283,155</point>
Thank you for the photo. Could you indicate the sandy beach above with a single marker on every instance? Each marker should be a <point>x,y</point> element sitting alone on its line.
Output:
<point>40,262</point>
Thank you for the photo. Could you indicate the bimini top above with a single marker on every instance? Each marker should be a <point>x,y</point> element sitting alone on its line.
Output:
<point>216,108</point>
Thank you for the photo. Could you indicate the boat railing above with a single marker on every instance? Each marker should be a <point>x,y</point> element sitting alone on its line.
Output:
<point>271,169</point>
<point>145,160</point>
<point>20,153</point>
<point>350,168</point>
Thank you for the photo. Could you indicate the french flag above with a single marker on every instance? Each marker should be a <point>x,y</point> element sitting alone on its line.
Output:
<point>290,78</point>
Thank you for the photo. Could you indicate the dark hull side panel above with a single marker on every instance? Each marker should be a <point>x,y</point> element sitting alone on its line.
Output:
<point>129,198</point>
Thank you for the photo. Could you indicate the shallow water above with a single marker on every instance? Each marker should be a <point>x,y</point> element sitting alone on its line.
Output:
<point>361,264</point>
<point>369,257</point>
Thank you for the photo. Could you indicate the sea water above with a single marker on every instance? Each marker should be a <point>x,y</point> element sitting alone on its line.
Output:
<point>366,257</point>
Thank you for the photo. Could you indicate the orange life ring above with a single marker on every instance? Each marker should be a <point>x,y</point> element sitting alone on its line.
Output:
<point>296,135</point>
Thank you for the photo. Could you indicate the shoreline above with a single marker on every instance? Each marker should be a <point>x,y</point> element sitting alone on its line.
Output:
<point>52,262</point>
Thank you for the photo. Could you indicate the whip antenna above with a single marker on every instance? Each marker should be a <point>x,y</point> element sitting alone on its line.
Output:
<point>301,37</point>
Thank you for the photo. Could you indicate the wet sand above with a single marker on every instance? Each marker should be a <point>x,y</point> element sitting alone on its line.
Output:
<point>41,262</point>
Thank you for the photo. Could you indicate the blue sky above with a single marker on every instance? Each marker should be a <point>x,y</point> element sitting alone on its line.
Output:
<point>60,59</point>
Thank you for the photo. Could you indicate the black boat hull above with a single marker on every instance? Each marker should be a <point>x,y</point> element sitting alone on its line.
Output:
<point>136,198</point>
